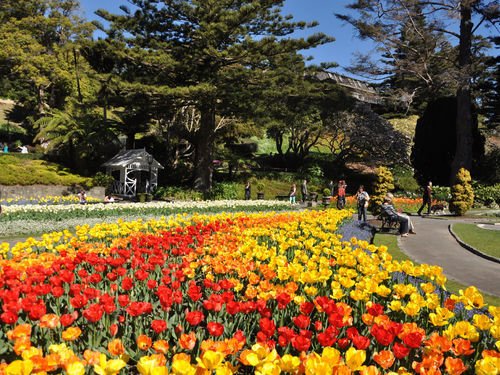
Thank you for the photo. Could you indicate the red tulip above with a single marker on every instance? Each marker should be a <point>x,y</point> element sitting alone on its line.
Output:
<point>215,329</point>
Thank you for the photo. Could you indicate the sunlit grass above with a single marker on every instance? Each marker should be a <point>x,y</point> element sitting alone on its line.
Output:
<point>485,240</point>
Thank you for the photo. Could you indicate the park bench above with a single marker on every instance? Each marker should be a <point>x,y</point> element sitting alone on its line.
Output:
<point>282,197</point>
<point>387,222</point>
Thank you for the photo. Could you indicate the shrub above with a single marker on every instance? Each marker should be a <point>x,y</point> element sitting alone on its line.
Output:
<point>315,174</point>
<point>404,182</point>
<point>102,179</point>
<point>462,194</point>
<point>487,195</point>
<point>327,192</point>
<point>177,193</point>
<point>224,190</point>
<point>383,184</point>
<point>441,193</point>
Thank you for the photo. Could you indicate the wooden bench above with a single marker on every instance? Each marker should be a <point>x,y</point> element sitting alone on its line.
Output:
<point>282,197</point>
<point>388,222</point>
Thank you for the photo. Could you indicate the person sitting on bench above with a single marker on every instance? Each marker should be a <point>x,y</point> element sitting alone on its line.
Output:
<point>405,223</point>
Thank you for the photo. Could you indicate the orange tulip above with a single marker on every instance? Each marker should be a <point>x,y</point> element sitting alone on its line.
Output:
<point>384,359</point>
<point>144,342</point>
<point>187,341</point>
<point>22,330</point>
<point>21,344</point>
<point>49,321</point>
<point>115,347</point>
<point>53,362</point>
<point>437,343</point>
<point>92,357</point>
<point>161,346</point>
<point>462,347</point>
<point>71,333</point>
<point>454,366</point>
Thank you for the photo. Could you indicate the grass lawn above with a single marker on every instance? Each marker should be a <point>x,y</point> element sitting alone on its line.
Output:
<point>485,240</point>
<point>452,286</point>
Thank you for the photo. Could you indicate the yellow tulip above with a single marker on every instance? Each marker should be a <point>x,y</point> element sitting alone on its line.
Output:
<point>355,358</point>
<point>111,367</point>
<point>482,322</point>
<point>182,367</point>
<point>153,364</point>
<point>210,360</point>
<point>19,368</point>
<point>75,368</point>
<point>289,363</point>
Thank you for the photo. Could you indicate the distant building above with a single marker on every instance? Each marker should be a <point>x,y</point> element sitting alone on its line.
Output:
<point>357,89</point>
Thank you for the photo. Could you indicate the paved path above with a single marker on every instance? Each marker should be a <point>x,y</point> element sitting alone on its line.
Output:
<point>433,244</point>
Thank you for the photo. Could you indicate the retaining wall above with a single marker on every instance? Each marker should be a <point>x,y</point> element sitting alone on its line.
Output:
<point>33,191</point>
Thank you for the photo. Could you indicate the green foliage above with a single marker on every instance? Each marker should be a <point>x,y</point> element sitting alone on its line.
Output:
<point>260,186</point>
<point>315,174</point>
<point>404,182</point>
<point>102,179</point>
<point>224,190</point>
<point>20,170</point>
<point>327,192</point>
<point>177,193</point>
<point>441,193</point>
<point>405,125</point>
<point>487,195</point>
<point>462,194</point>
<point>384,183</point>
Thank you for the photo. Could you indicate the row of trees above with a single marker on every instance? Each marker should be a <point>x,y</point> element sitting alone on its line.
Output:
<point>195,74</point>
<point>426,55</point>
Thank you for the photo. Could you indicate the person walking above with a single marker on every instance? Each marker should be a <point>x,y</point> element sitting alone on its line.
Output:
<point>426,199</point>
<point>362,198</point>
<point>293,193</point>
<point>248,191</point>
<point>303,190</point>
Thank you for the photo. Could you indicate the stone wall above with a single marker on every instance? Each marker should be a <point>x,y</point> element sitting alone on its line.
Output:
<point>33,191</point>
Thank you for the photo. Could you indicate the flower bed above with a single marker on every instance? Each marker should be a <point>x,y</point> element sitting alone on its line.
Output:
<point>263,293</point>
<point>49,200</point>
<point>70,211</point>
<point>401,203</point>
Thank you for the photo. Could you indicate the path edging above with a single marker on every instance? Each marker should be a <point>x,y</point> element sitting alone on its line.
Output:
<point>471,248</point>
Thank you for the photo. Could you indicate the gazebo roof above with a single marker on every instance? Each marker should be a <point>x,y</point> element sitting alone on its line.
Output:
<point>137,159</point>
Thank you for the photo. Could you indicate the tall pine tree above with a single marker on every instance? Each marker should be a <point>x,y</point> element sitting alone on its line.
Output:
<point>213,54</point>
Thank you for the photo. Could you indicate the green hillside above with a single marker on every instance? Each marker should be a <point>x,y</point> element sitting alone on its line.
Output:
<point>18,169</point>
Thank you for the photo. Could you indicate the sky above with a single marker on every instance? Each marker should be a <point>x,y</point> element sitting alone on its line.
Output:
<point>340,51</point>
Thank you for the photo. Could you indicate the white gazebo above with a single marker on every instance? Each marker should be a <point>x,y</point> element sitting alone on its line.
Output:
<point>134,171</point>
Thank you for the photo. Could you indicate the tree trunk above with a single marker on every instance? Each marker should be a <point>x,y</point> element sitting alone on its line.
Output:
<point>463,152</point>
<point>204,142</point>
<point>130,142</point>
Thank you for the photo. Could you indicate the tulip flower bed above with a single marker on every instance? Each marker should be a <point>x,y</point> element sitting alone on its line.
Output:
<point>243,293</point>
<point>43,212</point>
<point>48,200</point>
<point>401,203</point>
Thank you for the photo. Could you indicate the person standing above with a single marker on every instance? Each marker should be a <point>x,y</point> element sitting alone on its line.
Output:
<point>426,199</point>
<point>362,198</point>
<point>341,194</point>
<point>248,191</point>
<point>293,193</point>
<point>303,190</point>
